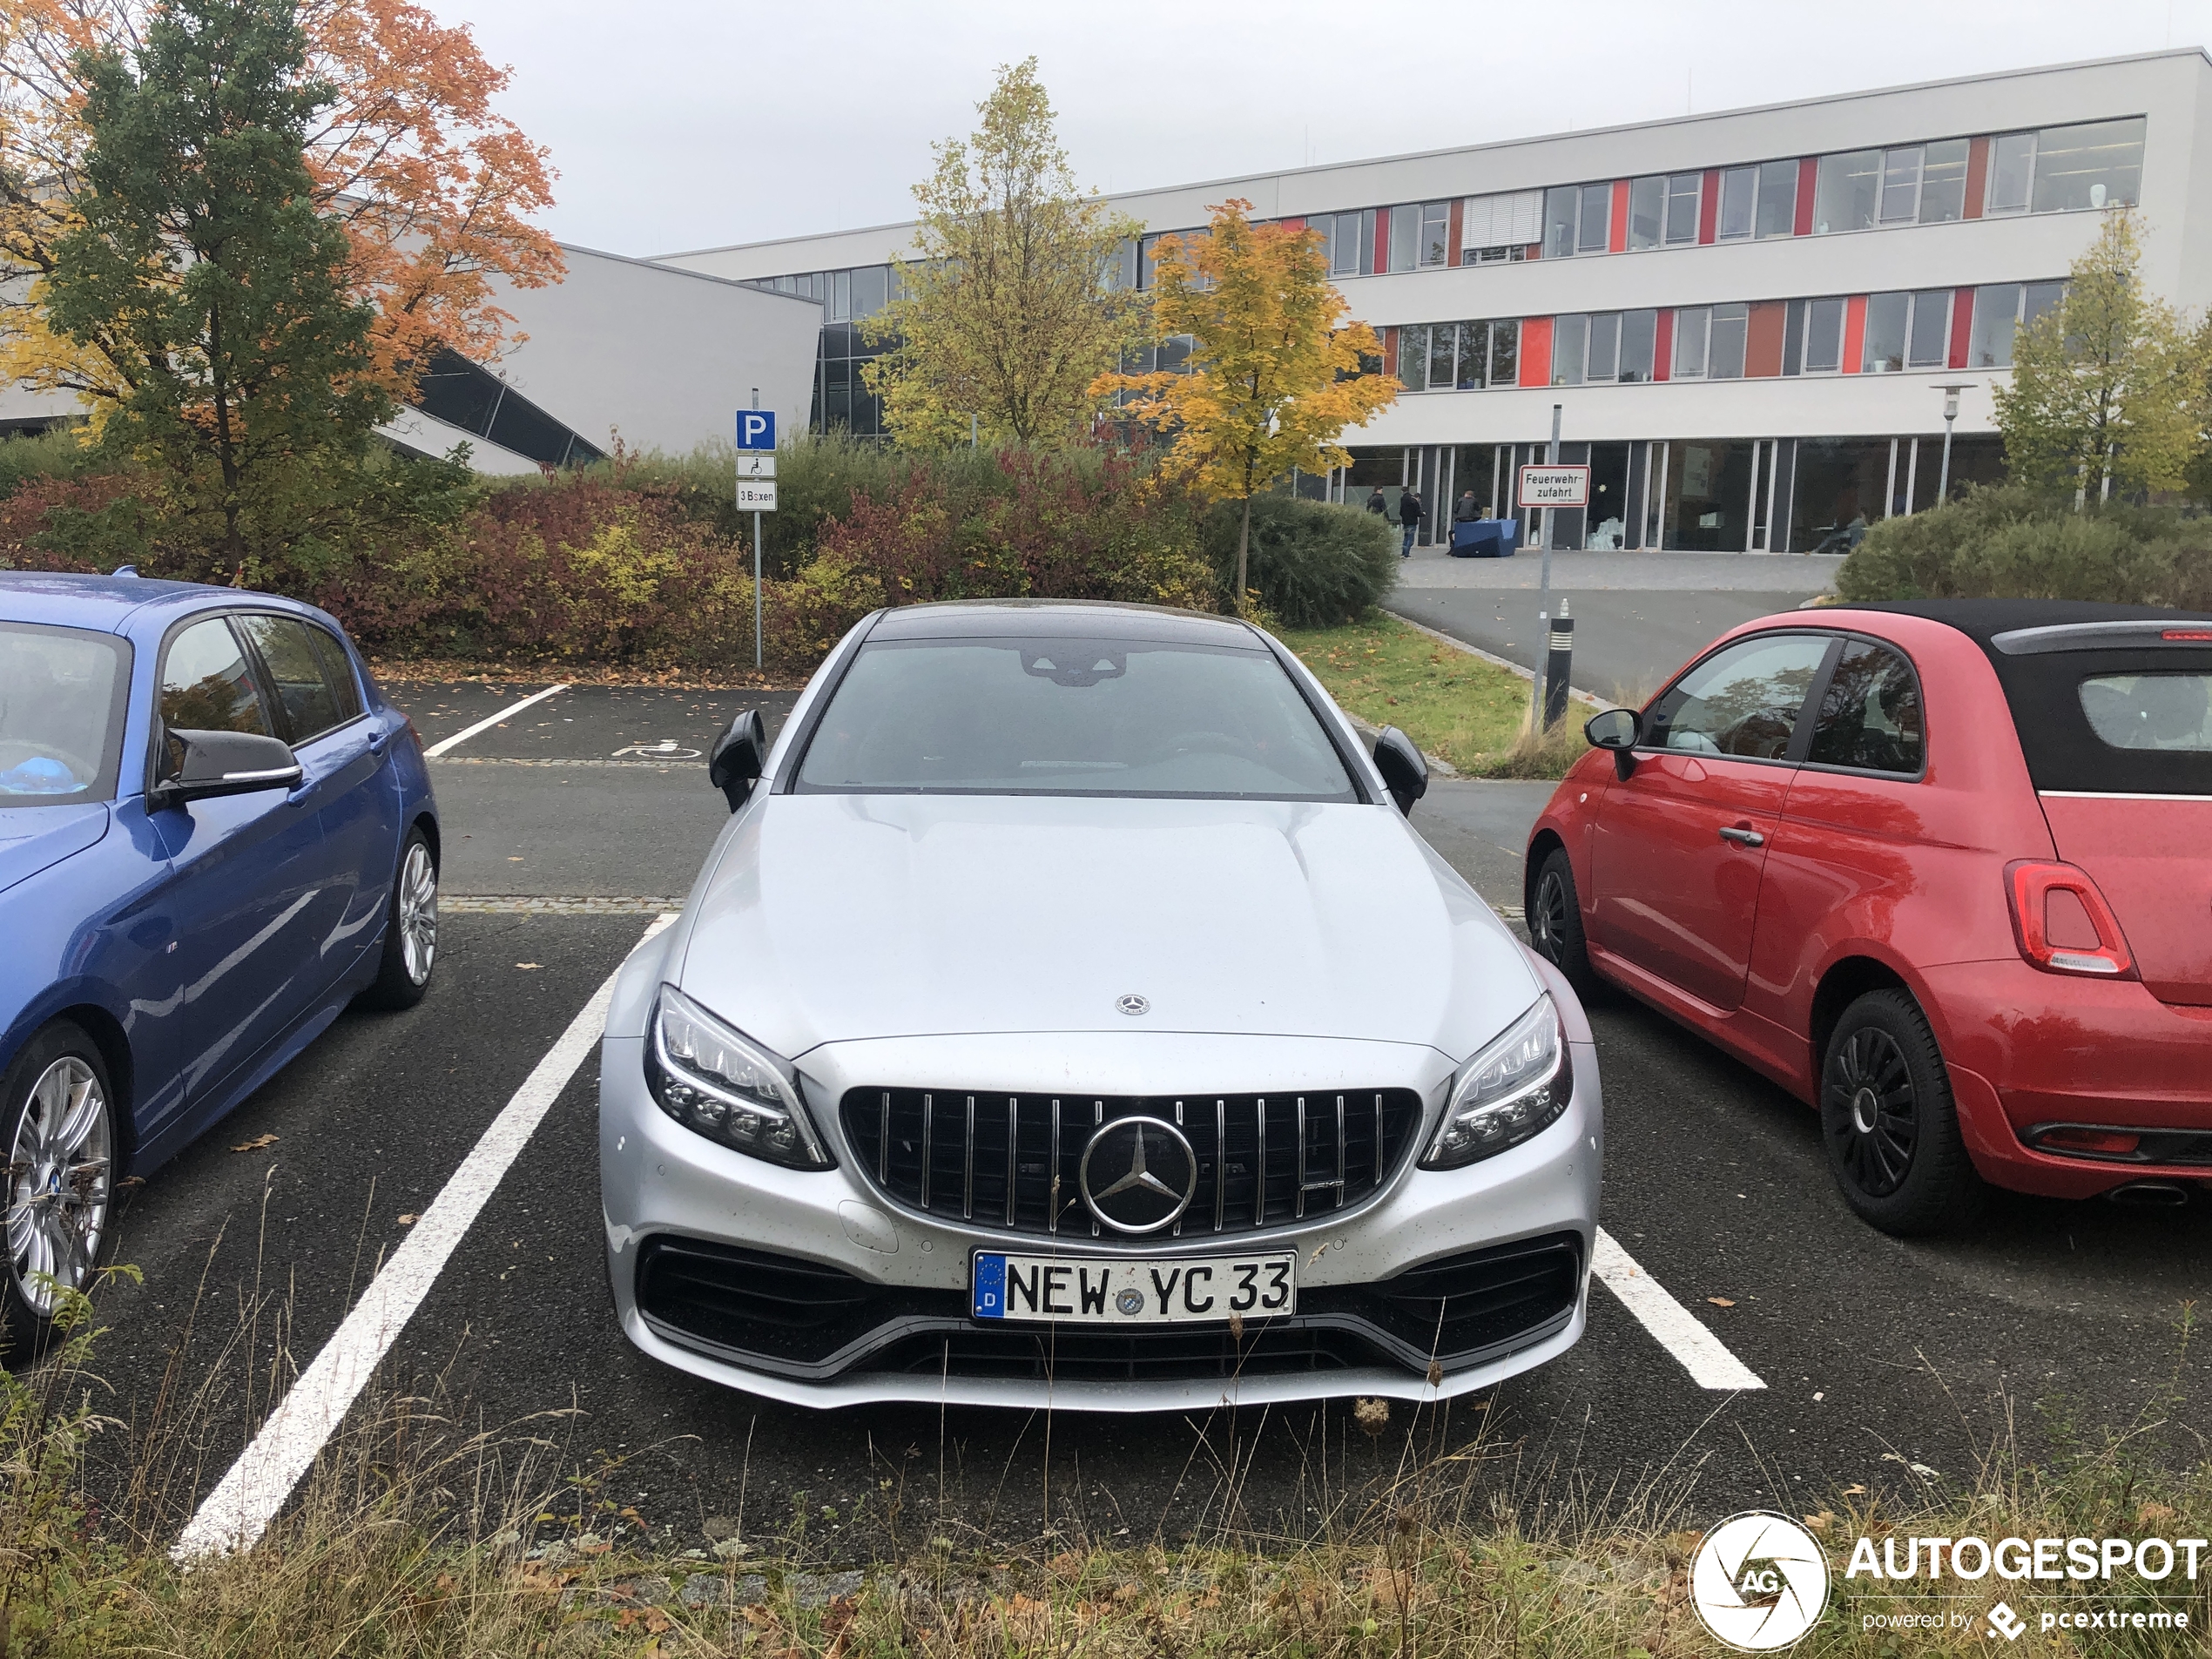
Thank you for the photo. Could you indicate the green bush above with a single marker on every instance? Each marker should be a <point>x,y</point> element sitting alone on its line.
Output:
<point>1315,564</point>
<point>2012,542</point>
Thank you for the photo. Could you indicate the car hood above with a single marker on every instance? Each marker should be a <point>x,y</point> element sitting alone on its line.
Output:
<point>832,918</point>
<point>36,838</point>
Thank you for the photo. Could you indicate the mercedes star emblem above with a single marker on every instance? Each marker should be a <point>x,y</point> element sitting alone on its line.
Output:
<point>1138,1174</point>
<point>1132,1004</point>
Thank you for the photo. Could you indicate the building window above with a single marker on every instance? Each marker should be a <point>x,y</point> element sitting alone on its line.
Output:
<point>1441,338</point>
<point>1647,213</point>
<point>1561,205</point>
<point>1639,334</point>
<point>1505,353</point>
<point>1900,186</point>
<point>1684,192</point>
<point>2097,164</point>
<point>1886,317</point>
<point>1931,339</point>
<point>2012,173</point>
<point>1412,356</point>
<point>1603,362</point>
<point>1845,191</point>
<point>1823,352</point>
<point>1597,218</point>
<point>1570,342</point>
<point>1724,358</point>
<point>1404,237</point>
<point>1943,181</point>
<point>1473,356</point>
<point>1351,242</point>
<point>1692,325</point>
<point>1777,199</point>
<point>1436,233</point>
<point>2001,311</point>
<point>1496,228</point>
<point>1739,193</point>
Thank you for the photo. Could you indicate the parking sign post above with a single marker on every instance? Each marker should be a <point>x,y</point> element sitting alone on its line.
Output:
<point>756,489</point>
<point>1545,488</point>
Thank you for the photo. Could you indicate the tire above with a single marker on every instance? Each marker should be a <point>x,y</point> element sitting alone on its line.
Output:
<point>1889,1123</point>
<point>410,928</point>
<point>1555,918</point>
<point>58,1110</point>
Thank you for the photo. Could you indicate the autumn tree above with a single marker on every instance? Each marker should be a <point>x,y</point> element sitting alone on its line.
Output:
<point>434,190</point>
<point>1011,302</point>
<point>203,275</point>
<point>2106,384</point>
<point>1274,375</point>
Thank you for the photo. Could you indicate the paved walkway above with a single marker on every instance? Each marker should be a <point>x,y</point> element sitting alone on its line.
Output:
<point>1638,616</point>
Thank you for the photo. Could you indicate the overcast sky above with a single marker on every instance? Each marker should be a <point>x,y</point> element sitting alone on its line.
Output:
<point>684,123</point>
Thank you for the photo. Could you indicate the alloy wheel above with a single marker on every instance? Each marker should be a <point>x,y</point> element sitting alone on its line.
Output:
<point>1879,1127</point>
<point>418,914</point>
<point>1547,926</point>
<point>59,1178</point>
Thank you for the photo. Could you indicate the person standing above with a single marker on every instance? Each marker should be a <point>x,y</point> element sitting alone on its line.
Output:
<point>1409,514</point>
<point>1377,505</point>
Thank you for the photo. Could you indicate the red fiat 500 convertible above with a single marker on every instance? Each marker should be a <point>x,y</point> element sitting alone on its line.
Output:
<point>1944,869</point>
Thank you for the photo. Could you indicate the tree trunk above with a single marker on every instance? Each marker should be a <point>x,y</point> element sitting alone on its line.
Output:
<point>1244,549</point>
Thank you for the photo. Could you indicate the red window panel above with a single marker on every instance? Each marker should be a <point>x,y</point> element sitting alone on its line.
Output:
<point>1663,347</point>
<point>1808,182</point>
<point>1536,351</point>
<point>1618,241</point>
<point>1291,224</point>
<point>1854,333</point>
<point>1382,238</point>
<point>1763,340</point>
<point>1962,322</point>
<point>1709,207</point>
<point>1389,332</point>
<point>1977,175</point>
<point>1451,230</point>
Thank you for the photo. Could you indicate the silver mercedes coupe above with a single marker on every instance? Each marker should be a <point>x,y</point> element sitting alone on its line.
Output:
<point>1069,1014</point>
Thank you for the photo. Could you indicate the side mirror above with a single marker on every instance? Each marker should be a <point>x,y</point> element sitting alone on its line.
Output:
<point>1618,730</point>
<point>739,756</point>
<point>1404,772</point>
<point>203,764</point>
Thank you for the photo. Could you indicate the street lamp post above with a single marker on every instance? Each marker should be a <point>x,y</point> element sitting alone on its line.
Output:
<point>1950,414</point>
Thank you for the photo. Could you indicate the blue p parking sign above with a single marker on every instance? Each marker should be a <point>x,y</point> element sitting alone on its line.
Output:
<point>756,428</point>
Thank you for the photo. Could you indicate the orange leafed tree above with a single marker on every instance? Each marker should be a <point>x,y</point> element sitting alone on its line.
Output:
<point>435,189</point>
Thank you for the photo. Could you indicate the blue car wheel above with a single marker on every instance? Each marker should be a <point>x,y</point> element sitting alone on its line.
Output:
<point>60,1122</point>
<point>410,928</point>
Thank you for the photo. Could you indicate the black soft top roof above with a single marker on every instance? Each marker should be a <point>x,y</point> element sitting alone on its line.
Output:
<point>2043,649</point>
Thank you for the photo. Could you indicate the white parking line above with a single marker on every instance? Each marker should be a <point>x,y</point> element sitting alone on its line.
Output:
<point>248,1497</point>
<point>1703,1355</point>
<point>507,713</point>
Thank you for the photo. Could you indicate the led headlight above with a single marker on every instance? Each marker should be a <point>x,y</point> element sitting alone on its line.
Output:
<point>712,1079</point>
<point>1516,1087</point>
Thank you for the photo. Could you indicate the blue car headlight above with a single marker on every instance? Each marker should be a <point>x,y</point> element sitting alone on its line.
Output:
<point>716,1081</point>
<point>1515,1088</point>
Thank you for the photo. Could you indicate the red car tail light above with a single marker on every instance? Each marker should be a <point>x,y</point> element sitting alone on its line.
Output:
<point>2097,1142</point>
<point>2063,924</point>
<point>2186,633</point>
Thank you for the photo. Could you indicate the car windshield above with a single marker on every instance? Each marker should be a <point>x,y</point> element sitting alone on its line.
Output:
<point>1071,716</point>
<point>2150,710</point>
<point>62,694</point>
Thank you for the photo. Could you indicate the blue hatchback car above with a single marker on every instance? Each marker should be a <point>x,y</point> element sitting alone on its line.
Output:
<point>214,833</point>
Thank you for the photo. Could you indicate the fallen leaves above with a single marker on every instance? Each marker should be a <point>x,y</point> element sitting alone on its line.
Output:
<point>409,1221</point>
<point>527,964</point>
<point>1720,1301</point>
<point>256,1144</point>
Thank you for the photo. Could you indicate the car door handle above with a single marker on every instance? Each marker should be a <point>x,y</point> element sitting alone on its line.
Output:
<point>1742,837</point>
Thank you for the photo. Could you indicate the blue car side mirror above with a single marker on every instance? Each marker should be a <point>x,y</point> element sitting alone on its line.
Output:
<point>203,764</point>
<point>738,758</point>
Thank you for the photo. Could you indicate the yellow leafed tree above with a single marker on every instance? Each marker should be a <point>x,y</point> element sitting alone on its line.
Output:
<point>1275,374</point>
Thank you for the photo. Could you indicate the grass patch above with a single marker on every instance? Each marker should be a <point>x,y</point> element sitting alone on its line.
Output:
<point>419,1534</point>
<point>1469,713</point>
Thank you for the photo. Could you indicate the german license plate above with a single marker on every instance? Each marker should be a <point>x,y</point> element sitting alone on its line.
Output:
<point>1181,1291</point>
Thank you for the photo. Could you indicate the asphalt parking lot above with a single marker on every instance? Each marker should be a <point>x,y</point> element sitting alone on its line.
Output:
<point>570,824</point>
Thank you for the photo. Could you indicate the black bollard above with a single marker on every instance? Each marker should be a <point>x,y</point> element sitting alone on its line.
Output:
<point>1559,666</point>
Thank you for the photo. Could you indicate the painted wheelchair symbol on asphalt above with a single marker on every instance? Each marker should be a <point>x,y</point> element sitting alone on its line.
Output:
<point>663,750</point>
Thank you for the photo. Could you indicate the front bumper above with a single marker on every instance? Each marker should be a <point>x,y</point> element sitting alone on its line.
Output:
<point>898,1281</point>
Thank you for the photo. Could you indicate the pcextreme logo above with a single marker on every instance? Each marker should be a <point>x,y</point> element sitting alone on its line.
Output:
<point>1759,1581</point>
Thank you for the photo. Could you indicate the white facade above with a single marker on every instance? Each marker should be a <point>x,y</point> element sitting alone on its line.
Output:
<point>1971,252</point>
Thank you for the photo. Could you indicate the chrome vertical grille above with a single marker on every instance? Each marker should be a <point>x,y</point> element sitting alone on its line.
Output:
<point>1010,1161</point>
